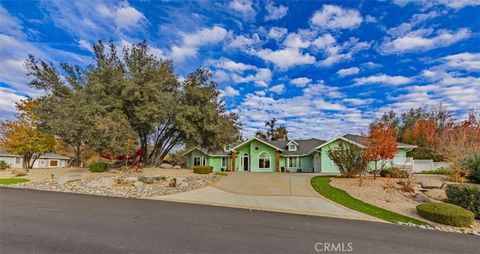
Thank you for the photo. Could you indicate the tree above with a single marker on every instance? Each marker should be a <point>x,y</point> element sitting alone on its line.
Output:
<point>261,135</point>
<point>349,158</point>
<point>381,144</point>
<point>423,134</point>
<point>23,138</point>
<point>272,129</point>
<point>282,133</point>
<point>273,132</point>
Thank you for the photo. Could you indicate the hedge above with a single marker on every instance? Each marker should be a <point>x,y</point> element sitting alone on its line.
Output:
<point>202,169</point>
<point>446,214</point>
<point>98,167</point>
<point>466,196</point>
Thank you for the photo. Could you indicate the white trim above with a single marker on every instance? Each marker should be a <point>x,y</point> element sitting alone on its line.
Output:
<point>292,141</point>
<point>193,160</point>
<point>342,138</point>
<point>269,161</point>
<point>259,140</point>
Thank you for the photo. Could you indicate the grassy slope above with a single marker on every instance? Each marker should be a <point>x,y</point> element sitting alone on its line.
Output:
<point>13,180</point>
<point>322,186</point>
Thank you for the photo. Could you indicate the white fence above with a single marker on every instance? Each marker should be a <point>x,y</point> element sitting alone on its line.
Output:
<point>421,165</point>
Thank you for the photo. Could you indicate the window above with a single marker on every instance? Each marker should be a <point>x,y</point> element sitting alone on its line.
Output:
<point>204,161</point>
<point>224,162</point>
<point>53,163</point>
<point>293,162</point>
<point>264,160</point>
<point>292,147</point>
<point>196,161</point>
<point>17,160</point>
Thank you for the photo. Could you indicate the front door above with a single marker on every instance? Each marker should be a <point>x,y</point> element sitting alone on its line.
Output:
<point>245,162</point>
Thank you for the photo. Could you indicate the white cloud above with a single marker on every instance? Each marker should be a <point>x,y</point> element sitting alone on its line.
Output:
<point>10,25</point>
<point>85,45</point>
<point>124,15</point>
<point>261,78</point>
<point>301,81</point>
<point>229,92</point>
<point>275,12</point>
<point>371,65</point>
<point>454,4</point>
<point>358,102</point>
<point>243,8</point>
<point>233,66</point>
<point>466,61</point>
<point>338,52</point>
<point>191,42</point>
<point>348,71</point>
<point>419,41</point>
<point>278,89</point>
<point>7,103</point>
<point>277,33</point>
<point>324,41</point>
<point>383,79</point>
<point>286,58</point>
<point>335,17</point>
<point>295,41</point>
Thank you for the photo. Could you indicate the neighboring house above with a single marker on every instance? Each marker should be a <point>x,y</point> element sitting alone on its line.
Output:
<point>49,160</point>
<point>256,155</point>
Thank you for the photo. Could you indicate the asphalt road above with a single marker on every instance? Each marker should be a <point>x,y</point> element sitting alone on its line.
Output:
<point>49,222</point>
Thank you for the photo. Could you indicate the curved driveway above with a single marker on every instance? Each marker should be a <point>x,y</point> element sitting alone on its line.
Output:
<point>279,192</point>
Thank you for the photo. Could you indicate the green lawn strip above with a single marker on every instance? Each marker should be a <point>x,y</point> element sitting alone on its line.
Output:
<point>322,185</point>
<point>13,180</point>
<point>221,174</point>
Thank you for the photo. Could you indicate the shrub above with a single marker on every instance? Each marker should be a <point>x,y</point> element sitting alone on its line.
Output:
<point>98,167</point>
<point>202,169</point>
<point>438,171</point>
<point>399,173</point>
<point>385,172</point>
<point>466,196</point>
<point>473,168</point>
<point>446,214</point>
<point>350,159</point>
<point>3,165</point>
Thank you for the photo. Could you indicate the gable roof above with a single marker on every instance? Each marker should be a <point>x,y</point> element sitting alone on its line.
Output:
<point>363,141</point>
<point>259,140</point>
<point>304,146</point>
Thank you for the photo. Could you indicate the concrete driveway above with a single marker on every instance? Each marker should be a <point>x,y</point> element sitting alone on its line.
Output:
<point>278,192</point>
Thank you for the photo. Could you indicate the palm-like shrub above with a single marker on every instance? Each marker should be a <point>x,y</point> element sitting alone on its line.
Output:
<point>350,159</point>
<point>473,168</point>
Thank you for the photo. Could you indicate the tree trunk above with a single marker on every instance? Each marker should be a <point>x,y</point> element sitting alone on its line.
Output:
<point>78,155</point>
<point>375,172</point>
<point>143,148</point>
<point>26,160</point>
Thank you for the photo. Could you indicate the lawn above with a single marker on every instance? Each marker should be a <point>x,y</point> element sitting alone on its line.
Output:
<point>322,185</point>
<point>6,181</point>
<point>438,171</point>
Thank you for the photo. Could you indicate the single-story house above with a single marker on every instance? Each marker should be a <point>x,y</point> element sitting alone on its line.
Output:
<point>307,155</point>
<point>49,160</point>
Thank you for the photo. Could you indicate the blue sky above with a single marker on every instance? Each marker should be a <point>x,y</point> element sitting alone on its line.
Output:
<point>323,68</point>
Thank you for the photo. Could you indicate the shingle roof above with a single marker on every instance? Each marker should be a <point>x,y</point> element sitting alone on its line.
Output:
<point>305,146</point>
<point>362,140</point>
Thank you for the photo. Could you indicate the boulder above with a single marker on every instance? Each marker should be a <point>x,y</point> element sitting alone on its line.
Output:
<point>181,182</point>
<point>431,184</point>
<point>165,165</point>
<point>421,198</point>
<point>130,179</point>
<point>150,179</point>
<point>102,182</point>
<point>19,172</point>
<point>437,194</point>
<point>138,184</point>
<point>177,167</point>
<point>67,178</point>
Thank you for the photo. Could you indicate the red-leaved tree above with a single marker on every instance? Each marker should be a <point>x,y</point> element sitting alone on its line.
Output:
<point>381,144</point>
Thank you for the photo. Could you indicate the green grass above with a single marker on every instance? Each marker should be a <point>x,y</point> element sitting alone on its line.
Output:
<point>438,171</point>
<point>221,174</point>
<point>13,180</point>
<point>322,185</point>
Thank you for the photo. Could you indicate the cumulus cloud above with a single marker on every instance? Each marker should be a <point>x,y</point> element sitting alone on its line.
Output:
<point>229,92</point>
<point>261,78</point>
<point>335,17</point>
<point>383,79</point>
<point>244,8</point>
<point>191,42</point>
<point>348,71</point>
<point>465,61</point>
<point>7,103</point>
<point>454,4</point>
<point>275,12</point>
<point>277,33</point>
<point>278,89</point>
<point>421,40</point>
<point>301,81</point>
<point>286,58</point>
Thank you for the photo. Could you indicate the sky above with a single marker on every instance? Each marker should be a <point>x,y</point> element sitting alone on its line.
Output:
<point>322,68</point>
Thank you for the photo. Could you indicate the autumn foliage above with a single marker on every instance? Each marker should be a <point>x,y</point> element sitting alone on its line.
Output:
<point>381,144</point>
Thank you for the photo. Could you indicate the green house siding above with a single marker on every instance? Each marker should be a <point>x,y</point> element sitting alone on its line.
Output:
<point>253,150</point>
<point>196,153</point>
<point>305,164</point>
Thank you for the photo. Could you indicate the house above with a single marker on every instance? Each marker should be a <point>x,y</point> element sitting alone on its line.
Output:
<point>256,155</point>
<point>49,160</point>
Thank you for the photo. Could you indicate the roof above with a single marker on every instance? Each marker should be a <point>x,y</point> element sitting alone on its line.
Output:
<point>44,156</point>
<point>304,146</point>
<point>362,140</point>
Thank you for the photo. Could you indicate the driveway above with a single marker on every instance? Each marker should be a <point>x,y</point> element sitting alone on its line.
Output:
<point>278,192</point>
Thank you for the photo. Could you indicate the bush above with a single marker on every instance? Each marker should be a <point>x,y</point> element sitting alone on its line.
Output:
<point>466,196</point>
<point>394,172</point>
<point>446,214</point>
<point>3,165</point>
<point>202,169</point>
<point>438,171</point>
<point>349,159</point>
<point>98,167</point>
<point>473,168</point>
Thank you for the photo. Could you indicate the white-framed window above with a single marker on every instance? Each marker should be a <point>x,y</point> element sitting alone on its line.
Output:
<point>17,160</point>
<point>294,162</point>
<point>292,147</point>
<point>196,161</point>
<point>224,162</point>
<point>263,160</point>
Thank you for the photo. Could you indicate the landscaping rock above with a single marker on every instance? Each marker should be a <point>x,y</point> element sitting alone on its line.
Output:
<point>138,184</point>
<point>151,179</point>
<point>421,198</point>
<point>181,182</point>
<point>130,179</point>
<point>102,182</point>
<point>437,194</point>
<point>431,184</point>
<point>165,165</point>
<point>19,172</point>
<point>67,178</point>
<point>177,167</point>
